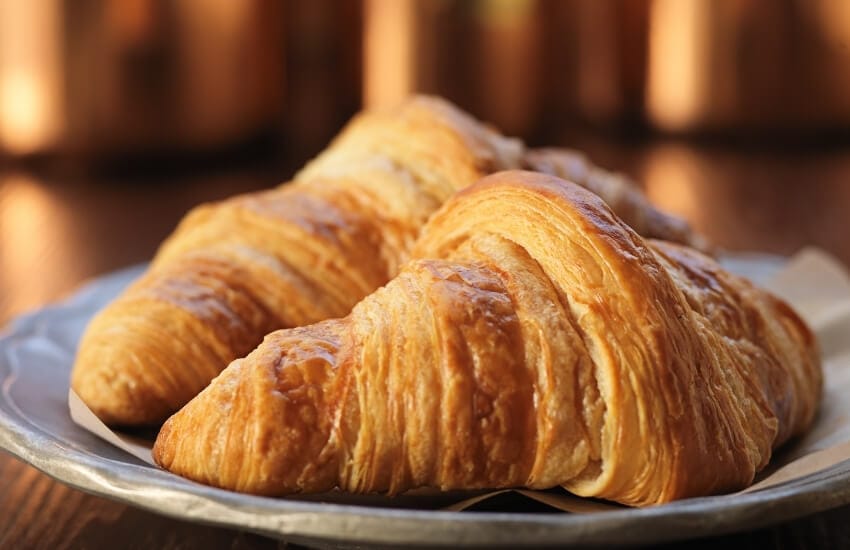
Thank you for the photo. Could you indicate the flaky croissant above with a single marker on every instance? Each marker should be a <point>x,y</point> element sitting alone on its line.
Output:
<point>236,270</point>
<point>534,340</point>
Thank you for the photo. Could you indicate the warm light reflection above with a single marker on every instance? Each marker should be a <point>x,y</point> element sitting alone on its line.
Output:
<point>389,36</point>
<point>833,16</point>
<point>34,228</point>
<point>23,109</point>
<point>30,74</point>
<point>671,175</point>
<point>509,42</point>
<point>212,38</point>
<point>678,38</point>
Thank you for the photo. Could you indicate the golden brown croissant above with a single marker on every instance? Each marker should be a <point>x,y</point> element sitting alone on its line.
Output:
<point>308,251</point>
<point>236,270</point>
<point>535,340</point>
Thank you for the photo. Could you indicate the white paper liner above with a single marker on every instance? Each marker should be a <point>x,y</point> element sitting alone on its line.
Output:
<point>818,288</point>
<point>85,418</point>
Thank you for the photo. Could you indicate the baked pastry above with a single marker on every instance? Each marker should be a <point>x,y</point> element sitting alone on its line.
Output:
<point>533,340</point>
<point>307,251</point>
<point>621,193</point>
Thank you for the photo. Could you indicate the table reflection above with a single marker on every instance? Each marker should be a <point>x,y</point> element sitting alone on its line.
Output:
<point>54,234</point>
<point>40,244</point>
<point>774,201</point>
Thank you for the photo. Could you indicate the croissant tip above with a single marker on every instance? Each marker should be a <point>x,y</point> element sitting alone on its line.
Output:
<point>159,452</point>
<point>118,404</point>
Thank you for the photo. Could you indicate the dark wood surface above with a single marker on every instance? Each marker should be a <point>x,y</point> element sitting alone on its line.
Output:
<point>57,232</point>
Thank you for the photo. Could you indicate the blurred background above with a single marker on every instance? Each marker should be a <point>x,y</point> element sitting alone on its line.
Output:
<point>116,117</point>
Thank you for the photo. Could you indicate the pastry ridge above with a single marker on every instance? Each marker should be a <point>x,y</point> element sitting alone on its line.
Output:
<point>306,251</point>
<point>235,270</point>
<point>534,340</point>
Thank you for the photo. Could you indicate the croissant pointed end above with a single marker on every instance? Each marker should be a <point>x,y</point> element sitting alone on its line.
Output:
<point>163,447</point>
<point>136,369</point>
<point>182,448</point>
<point>116,400</point>
<point>261,426</point>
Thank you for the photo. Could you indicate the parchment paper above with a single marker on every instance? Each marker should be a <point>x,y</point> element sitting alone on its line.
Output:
<point>815,284</point>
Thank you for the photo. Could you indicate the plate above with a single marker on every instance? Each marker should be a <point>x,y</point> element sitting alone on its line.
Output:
<point>36,355</point>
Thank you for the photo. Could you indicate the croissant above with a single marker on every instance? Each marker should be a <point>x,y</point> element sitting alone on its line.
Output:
<point>533,340</point>
<point>307,251</point>
<point>234,271</point>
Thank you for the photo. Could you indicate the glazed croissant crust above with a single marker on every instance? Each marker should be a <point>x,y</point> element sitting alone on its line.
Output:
<point>236,270</point>
<point>307,251</point>
<point>533,340</point>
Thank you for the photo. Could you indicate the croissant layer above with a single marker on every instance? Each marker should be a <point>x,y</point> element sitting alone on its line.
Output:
<point>307,251</point>
<point>236,270</point>
<point>533,340</point>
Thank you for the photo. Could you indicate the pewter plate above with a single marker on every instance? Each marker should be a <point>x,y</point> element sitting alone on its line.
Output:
<point>36,353</point>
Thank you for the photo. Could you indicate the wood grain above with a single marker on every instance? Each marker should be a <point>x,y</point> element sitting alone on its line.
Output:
<point>37,512</point>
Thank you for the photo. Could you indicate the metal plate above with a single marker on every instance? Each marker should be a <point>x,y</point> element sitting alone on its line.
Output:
<point>36,355</point>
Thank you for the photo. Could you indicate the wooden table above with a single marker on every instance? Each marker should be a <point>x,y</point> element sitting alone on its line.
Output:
<point>56,232</point>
